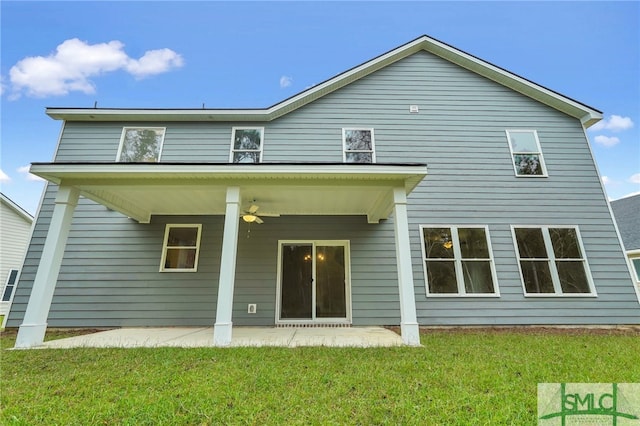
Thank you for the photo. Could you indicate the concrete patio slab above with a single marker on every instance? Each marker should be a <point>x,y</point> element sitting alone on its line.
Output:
<point>191,337</point>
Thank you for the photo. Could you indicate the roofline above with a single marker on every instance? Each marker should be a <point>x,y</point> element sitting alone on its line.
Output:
<point>59,172</point>
<point>249,169</point>
<point>14,206</point>
<point>625,197</point>
<point>586,114</point>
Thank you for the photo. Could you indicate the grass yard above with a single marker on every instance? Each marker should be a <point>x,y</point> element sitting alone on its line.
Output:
<point>459,377</point>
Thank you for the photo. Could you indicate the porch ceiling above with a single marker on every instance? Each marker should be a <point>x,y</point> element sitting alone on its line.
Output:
<point>142,190</point>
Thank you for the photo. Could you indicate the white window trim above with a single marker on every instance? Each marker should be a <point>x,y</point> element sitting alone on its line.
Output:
<point>542,161</point>
<point>5,306</point>
<point>551,258</point>
<point>124,132</point>
<point>167,228</point>
<point>457,258</point>
<point>6,285</point>
<point>631,256</point>
<point>344,144</point>
<point>233,137</point>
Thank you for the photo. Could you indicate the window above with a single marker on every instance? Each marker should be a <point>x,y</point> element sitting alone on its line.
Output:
<point>140,145</point>
<point>526,153</point>
<point>246,145</point>
<point>635,263</point>
<point>458,261</point>
<point>181,247</point>
<point>552,261</point>
<point>358,146</point>
<point>10,285</point>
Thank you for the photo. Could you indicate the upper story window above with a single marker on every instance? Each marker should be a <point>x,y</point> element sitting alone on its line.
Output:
<point>140,145</point>
<point>526,153</point>
<point>246,144</point>
<point>552,261</point>
<point>181,248</point>
<point>458,261</point>
<point>358,145</point>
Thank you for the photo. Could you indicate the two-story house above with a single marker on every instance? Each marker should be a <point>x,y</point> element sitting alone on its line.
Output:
<point>423,187</point>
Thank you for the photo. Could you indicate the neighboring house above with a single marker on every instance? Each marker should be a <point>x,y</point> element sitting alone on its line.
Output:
<point>423,187</point>
<point>627,214</point>
<point>15,230</point>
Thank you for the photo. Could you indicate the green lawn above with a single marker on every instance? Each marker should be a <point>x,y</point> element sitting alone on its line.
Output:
<point>459,377</point>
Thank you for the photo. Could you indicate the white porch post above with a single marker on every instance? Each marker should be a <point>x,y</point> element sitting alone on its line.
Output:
<point>222,327</point>
<point>34,324</point>
<point>408,318</point>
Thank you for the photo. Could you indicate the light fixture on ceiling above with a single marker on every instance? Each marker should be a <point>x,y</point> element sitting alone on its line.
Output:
<point>249,218</point>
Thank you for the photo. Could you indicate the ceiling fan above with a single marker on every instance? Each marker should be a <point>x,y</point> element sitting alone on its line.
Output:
<point>252,214</point>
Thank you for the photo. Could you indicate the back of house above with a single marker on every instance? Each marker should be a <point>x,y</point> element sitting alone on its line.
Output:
<point>424,187</point>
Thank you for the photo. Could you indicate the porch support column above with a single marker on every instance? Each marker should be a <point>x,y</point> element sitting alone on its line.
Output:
<point>222,327</point>
<point>34,324</point>
<point>408,319</point>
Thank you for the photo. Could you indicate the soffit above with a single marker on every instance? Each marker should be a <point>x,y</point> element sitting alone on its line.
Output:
<point>143,190</point>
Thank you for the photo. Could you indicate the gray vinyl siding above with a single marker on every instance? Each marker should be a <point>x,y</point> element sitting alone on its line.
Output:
<point>459,132</point>
<point>374,289</point>
<point>109,275</point>
<point>110,272</point>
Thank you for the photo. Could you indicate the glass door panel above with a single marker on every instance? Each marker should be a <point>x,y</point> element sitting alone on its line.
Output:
<point>297,281</point>
<point>330,282</point>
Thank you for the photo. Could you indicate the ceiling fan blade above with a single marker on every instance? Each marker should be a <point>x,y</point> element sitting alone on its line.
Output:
<point>258,220</point>
<point>270,214</point>
<point>253,209</point>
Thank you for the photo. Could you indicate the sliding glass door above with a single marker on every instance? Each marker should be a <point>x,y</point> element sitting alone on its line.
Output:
<point>314,281</point>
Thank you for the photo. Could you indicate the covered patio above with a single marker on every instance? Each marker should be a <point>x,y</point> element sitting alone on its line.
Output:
<point>198,337</point>
<point>141,190</point>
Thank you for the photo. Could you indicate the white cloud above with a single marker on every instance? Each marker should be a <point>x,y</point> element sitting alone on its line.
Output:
<point>635,178</point>
<point>606,180</point>
<point>607,141</point>
<point>75,61</point>
<point>154,62</point>
<point>614,123</point>
<point>4,178</point>
<point>25,171</point>
<point>285,81</point>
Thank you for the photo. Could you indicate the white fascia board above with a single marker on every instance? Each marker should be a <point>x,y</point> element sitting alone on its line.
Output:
<point>590,119</point>
<point>348,76</point>
<point>587,115</point>
<point>265,114</point>
<point>513,81</point>
<point>81,175</point>
<point>51,171</point>
<point>19,210</point>
<point>141,114</point>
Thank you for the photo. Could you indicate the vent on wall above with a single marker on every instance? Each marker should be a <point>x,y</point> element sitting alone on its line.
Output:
<point>414,109</point>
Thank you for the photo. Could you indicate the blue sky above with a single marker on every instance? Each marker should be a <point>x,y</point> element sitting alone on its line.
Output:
<point>254,54</point>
